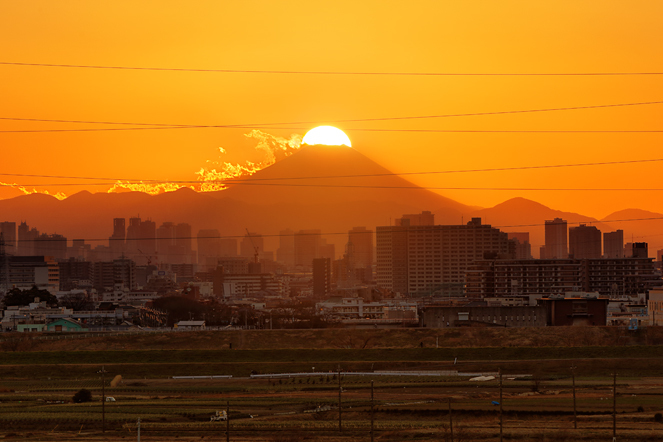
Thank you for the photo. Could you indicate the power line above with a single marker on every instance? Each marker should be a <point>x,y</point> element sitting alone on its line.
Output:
<point>360,186</point>
<point>366,73</point>
<point>232,181</point>
<point>154,126</point>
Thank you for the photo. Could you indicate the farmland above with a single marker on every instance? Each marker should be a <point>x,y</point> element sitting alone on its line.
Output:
<point>37,386</point>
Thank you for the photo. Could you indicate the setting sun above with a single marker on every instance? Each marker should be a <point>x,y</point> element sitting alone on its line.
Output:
<point>327,135</point>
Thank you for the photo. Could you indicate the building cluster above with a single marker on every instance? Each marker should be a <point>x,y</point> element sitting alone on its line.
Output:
<point>411,272</point>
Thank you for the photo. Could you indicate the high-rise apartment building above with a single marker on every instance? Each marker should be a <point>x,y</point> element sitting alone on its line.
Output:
<point>362,243</point>
<point>542,277</point>
<point>556,239</point>
<point>613,244</point>
<point>584,242</point>
<point>523,248</point>
<point>418,219</point>
<point>322,277</point>
<point>424,260</point>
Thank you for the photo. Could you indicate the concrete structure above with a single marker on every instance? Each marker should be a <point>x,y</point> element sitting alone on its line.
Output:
<point>542,277</point>
<point>428,260</point>
<point>556,239</point>
<point>584,242</point>
<point>190,325</point>
<point>117,240</point>
<point>28,271</point>
<point>251,244</point>
<point>285,254</point>
<point>424,218</point>
<point>362,248</point>
<point>307,247</point>
<point>322,277</point>
<point>484,316</point>
<point>249,285</point>
<point>613,244</point>
<point>358,308</point>
<point>575,311</point>
<point>8,231</point>
<point>523,248</point>
<point>655,306</point>
<point>26,239</point>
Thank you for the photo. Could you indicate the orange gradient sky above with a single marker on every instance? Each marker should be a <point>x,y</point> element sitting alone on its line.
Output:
<point>339,35</point>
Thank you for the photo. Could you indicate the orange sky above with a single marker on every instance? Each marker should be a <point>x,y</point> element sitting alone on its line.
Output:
<point>379,36</point>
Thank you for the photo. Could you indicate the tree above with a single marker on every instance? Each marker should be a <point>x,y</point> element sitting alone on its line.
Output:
<point>82,395</point>
<point>20,297</point>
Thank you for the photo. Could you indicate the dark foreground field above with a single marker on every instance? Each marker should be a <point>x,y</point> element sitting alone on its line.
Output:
<point>36,386</point>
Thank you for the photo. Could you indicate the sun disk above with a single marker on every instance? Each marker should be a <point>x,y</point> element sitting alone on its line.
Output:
<point>327,135</point>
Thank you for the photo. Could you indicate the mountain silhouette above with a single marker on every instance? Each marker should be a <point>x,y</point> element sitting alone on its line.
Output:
<point>524,215</point>
<point>288,194</point>
<point>315,188</point>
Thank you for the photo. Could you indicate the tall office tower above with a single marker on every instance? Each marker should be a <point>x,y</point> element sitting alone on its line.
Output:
<point>584,242</point>
<point>326,250</point>
<point>251,244</point>
<point>556,243</point>
<point>147,233</point>
<point>133,234</point>
<point>307,247</point>
<point>322,276</point>
<point>116,241</point>
<point>165,238</point>
<point>427,260</point>
<point>418,219</point>
<point>208,242</point>
<point>51,245</point>
<point>285,254</point>
<point>183,238</point>
<point>26,239</point>
<point>523,246</point>
<point>613,244</point>
<point>8,230</point>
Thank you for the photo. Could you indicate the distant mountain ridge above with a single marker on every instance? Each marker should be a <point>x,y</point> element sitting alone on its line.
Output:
<point>315,188</point>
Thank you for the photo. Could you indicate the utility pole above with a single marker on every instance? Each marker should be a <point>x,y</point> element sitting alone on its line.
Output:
<point>372,413</point>
<point>614,407</point>
<point>501,422</point>
<point>340,389</point>
<point>227,421</point>
<point>103,399</point>
<point>451,423</point>
<point>575,413</point>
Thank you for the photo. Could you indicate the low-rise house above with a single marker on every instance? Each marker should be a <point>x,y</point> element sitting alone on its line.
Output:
<point>190,325</point>
<point>65,325</point>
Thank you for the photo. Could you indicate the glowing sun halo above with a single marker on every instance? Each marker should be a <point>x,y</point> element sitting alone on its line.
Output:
<point>327,135</point>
